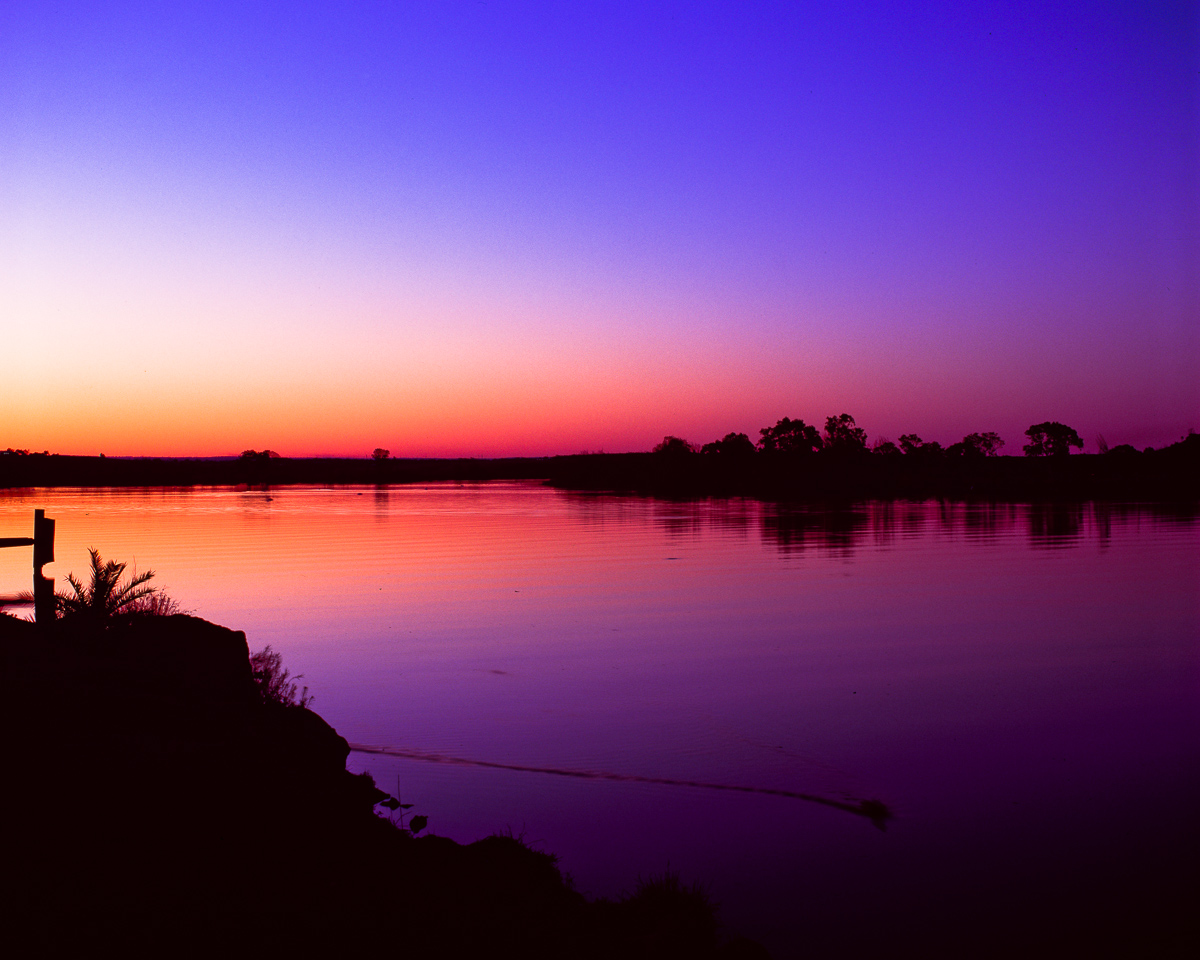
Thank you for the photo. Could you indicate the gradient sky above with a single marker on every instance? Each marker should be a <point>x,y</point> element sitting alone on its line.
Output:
<point>507,228</point>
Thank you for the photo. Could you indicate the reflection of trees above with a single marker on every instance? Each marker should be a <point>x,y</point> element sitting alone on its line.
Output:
<point>1054,525</point>
<point>912,517</point>
<point>1102,514</point>
<point>684,518</point>
<point>883,522</point>
<point>606,509</point>
<point>791,530</point>
<point>680,520</point>
<point>732,515</point>
<point>1184,512</point>
<point>383,497</point>
<point>792,527</point>
<point>984,521</point>
<point>1106,514</point>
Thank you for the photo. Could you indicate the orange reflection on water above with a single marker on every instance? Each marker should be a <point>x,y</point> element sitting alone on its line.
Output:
<point>1015,681</point>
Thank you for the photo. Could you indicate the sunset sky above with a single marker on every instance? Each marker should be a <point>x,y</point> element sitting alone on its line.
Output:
<point>505,228</point>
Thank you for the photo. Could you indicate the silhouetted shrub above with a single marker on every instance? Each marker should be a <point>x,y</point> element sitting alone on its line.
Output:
<point>275,684</point>
<point>674,447</point>
<point>156,604</point>
<point>731,445</point>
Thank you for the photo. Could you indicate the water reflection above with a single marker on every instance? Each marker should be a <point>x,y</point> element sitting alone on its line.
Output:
<point>986,521</point>
<point>1031,666</point>
<point>383,494</point>
<point>843,530</point>
<point>837,531</point>
<point>691,518</point>
<point>1053,526</point>
<point>156,523</point>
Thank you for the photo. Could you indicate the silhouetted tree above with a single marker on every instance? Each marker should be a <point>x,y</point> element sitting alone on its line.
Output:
<point>380,454</point>
<point>251,455</point>
<point>731,445</point>
<point>674,447</point>
<point>885,448</point>
<point>976,445</point>
<point>789,436</point>
<point>842,434</point>
<point>911,444</point>
<point>1051,439</point>
<point>988,444</point>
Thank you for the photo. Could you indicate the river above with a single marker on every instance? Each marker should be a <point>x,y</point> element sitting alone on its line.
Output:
<point>1018,684</point>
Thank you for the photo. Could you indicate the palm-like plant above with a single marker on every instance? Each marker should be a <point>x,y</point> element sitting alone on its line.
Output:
<point>106,596</point>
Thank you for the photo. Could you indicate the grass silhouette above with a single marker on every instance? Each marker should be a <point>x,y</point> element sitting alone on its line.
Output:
<point>106,597</point>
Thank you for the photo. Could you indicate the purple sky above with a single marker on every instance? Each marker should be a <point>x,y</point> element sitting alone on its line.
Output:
<point>513,228</point>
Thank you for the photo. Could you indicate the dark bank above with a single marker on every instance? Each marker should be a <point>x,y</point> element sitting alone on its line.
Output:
<point>768,471</point>
<point>203,811</point>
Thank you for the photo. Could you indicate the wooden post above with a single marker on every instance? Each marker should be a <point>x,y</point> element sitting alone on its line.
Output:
<point>43,553</point>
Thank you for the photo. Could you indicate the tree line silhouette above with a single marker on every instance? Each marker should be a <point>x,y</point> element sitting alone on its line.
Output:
<point>797,461</point>
<point>791,460</point>
<point>842,435</point>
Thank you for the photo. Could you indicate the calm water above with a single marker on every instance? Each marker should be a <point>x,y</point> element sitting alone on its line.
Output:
<point>1019,684</point>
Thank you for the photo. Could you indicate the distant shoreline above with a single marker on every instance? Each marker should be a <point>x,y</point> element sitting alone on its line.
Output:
<point>53,470</point>
<point>1167,475</point>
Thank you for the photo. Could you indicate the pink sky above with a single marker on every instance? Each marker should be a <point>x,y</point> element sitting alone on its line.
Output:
<point>488,232</point>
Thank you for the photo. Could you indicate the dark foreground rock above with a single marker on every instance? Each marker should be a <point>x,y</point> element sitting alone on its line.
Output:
<point>154,803</point>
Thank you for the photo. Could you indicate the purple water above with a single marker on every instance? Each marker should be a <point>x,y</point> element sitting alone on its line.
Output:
<point>1019,684</point>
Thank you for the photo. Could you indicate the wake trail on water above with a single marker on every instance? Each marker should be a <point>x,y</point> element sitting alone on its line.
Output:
<point>874,810</point>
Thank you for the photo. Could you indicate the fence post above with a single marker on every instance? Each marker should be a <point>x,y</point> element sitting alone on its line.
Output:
<point>43,553</point>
